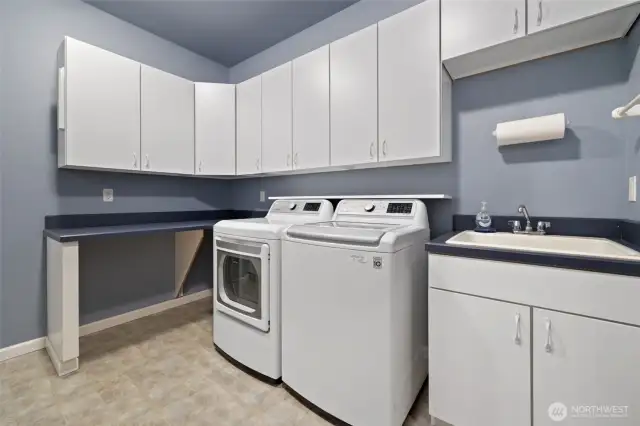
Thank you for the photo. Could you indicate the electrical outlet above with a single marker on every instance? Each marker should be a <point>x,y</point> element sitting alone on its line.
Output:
<point>107,195</point>
<point>262,196</point>
<point>632,189</point>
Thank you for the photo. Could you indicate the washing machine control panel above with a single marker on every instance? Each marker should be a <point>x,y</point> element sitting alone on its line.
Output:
<point>376,207</point>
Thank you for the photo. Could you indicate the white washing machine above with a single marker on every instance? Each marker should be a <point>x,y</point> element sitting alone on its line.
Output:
<point>354,310</point>
<point>246,284</point>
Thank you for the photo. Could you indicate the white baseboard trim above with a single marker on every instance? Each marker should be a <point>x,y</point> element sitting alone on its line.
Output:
<point>94,327</point>
<point>100,325</point>
<point>21,349</point>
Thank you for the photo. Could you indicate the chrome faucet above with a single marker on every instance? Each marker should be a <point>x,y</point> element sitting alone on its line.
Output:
<point>522,209</point>
<point>528,230</point>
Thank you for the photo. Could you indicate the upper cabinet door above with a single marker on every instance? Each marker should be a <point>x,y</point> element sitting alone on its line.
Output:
<point>410,83</point>
<point>276,119</point>
<point>102,109</point>
<point>543,14</point>
<point>249,126</point>
<point>215,129</point>
<point>354,98</point>
<point>583,362</point>
<point>470,25</point>
<point>311,110</point>
<point>167,122</point>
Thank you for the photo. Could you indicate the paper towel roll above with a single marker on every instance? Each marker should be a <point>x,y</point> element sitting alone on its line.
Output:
<point>548,127</point>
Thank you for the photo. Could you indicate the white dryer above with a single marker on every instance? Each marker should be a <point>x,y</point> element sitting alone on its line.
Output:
<point>246,284</point>
<point>354,310</point>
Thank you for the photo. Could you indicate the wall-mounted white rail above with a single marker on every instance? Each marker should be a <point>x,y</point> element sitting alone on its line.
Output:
<point>632,109</point>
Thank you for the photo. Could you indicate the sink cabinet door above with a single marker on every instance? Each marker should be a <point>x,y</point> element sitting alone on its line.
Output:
<point>582,362</point>
<point>478,373</point>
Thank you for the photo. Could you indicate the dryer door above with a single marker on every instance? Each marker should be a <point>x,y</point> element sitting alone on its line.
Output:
<point>241,280</point>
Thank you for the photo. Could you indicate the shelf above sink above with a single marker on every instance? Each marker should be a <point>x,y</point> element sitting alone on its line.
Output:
<point>575,246</point>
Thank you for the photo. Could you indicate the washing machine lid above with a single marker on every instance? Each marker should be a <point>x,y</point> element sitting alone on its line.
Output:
<point>357,233</point>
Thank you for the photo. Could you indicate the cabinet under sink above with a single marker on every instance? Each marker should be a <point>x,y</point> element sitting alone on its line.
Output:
<point>518,345</point>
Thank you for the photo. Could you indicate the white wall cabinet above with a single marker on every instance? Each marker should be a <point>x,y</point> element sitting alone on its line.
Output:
<point>584,362</point>
<point>276,119</point>
<point>470,25</point>
<point>479,360</point>
<point>311,125</point>
<point>249,126</point>
<point>215,129</point>
<point>484,35</point>
<point>354,98</point>
<point>545,14</point>
<point>99,109</point>
<point>167,122</point>
<point>410,84</point>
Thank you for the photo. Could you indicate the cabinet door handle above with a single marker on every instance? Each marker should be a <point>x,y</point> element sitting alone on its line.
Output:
<point>288,159</point>
<point>135,160</point>
<point>257,164</point>
<point>517,340</point>
<point>516,23</point>
<point>547,346</point>
<point>200,166</point>
<point>295,159</point>
<point>539,21</point>
<point>147,162</point>
<point>384,148</point>
<point>371,151</point>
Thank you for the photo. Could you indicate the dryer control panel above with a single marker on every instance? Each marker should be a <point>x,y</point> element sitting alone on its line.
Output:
<point>308,207</point>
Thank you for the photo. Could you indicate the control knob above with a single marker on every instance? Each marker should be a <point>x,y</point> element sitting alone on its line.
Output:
<point>369,208</point>
<point>292,206</point>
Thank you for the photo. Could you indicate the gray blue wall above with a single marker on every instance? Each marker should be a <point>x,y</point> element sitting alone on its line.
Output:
<point>631,126</point>
<point>583,175</point>
<point>31,186</point>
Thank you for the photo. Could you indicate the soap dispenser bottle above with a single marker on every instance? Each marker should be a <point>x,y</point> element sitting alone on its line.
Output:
<point>483,220</point>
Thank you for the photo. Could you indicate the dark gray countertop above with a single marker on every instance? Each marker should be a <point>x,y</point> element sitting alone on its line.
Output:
<point>608,266</point>
<point>65,228</point>
<point>74,234</point>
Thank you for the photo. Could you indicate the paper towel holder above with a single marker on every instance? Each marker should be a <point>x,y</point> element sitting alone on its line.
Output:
<point>567,124</point>
<point>629,110</point>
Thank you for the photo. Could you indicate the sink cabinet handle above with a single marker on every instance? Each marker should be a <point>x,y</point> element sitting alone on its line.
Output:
<point>547,346</point>
<point>516,22</point>
<point>135,160</point>
<point>517,339</point>
<point>371,150</point>
<point>146,157</point>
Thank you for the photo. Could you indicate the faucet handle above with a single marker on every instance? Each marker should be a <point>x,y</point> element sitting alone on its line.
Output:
<point>515,224</point>
<point>543,225</point>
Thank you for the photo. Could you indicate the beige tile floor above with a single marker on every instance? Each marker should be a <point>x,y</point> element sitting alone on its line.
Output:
<point>159,370</point>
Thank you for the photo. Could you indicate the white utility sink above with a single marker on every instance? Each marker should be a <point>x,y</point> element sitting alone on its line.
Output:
<point>577,246</point>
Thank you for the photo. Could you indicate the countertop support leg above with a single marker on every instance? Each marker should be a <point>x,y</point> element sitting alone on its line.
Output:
<point>63,327</point>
